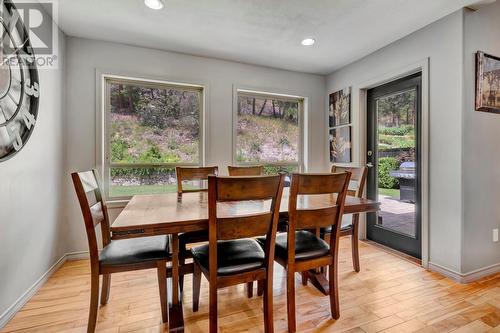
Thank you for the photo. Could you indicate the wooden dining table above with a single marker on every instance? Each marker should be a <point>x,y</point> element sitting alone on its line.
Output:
<point>171,214</point>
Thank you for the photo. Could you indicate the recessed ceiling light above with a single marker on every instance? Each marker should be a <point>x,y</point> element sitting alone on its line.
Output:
<point>154,4</point>
<point>308,41</point>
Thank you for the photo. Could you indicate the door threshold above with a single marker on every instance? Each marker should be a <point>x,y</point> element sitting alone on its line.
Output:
<point>397,253</point>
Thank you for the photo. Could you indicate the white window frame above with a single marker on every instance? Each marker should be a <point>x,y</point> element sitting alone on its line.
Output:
<point>302,101</point>
<point>103,125</point>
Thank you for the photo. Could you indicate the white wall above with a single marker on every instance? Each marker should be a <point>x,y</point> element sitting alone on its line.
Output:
<point>442,43</point>
<point>31,193</point>
<point>85,56</point>
<point>481,152</point>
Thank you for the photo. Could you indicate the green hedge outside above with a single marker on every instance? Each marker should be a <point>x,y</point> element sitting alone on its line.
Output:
<point>385,166</point>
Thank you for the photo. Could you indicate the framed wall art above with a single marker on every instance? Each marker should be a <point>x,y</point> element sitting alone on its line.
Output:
<point>340,144</point>
<point>487,83</point>
<point>340,107</point>
<point>339,125</point>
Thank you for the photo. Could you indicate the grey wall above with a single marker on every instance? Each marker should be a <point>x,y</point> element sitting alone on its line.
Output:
<point>85,56</point>
<point>481,152</point>
<point>442,43</point>
<point>31,192</point>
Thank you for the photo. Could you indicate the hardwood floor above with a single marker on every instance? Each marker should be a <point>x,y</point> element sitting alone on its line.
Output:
<point>389,295</point>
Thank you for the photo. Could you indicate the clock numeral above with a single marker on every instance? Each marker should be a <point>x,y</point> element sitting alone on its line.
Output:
<point>29,119</point>
<point>15,137</point>
<point>28,57</point>
<point>31,90</point>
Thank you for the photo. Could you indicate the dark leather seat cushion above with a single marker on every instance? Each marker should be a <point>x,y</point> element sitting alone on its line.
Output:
<point>135,250</point>
<point>192,237</point>
<point>233,256</point>
<point>283,225</point>
<point>343,227</point>
<point>307,245</point>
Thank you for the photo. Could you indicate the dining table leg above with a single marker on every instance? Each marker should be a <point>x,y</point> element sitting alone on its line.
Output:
<point>176,316</point>
<point>317,276</point>
<point>318,280</point>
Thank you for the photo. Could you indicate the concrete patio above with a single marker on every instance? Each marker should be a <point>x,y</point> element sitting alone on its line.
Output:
<point>397,215</point>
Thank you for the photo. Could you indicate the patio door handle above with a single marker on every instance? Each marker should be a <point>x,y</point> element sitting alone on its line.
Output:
<point>369,164</point>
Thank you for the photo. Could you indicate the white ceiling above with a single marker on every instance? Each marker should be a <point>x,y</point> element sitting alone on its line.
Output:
<point>262,32</point>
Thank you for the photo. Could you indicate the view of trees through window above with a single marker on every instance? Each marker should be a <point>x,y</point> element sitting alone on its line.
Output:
<point>268,132</point>
<point>151,129</point>
<point>396,116</point>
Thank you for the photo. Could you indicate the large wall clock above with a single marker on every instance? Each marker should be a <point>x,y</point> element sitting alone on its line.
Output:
<point>19,85</point>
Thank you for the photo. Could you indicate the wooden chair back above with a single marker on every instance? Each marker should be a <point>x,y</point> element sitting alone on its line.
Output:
<point>316,201</point>
<point>193,173</point>
<point>358,175</point>
<point>257,170</point>
<point>93,209</point>
<point>242,207</point>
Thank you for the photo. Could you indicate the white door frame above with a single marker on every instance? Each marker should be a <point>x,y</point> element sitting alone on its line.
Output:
<point>362,88</point>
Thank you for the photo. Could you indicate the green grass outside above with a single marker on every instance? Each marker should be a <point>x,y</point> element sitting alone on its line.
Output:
<point>127,191</point>
<point>394,193</point>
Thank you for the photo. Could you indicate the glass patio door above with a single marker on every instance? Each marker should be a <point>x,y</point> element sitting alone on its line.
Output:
<point>393,160</point>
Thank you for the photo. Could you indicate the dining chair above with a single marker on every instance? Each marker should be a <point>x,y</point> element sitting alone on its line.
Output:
<point>239,208</point>
<point>200,174</point>
<point>350,226</point>
<point>257,170</point>
<point>116,255</point>
<point>316,201</point>
<point>184,174</point>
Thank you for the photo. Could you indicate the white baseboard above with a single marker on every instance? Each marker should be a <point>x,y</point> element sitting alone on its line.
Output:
<point>454,275</point>
<point>19,303</point>
<point>465,277</point>
<point>481,273</point>
<point>77,255</point>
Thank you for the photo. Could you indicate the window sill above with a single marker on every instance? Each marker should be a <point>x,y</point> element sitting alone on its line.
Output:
<point>117,204</point>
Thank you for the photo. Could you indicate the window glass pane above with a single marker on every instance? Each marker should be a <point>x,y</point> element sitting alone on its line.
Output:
<point>153,125</point>
<point>125,182</point>
<point>286,169</point>
<point>396,131</point>
<point>267,130</point>
<point>275,169</point>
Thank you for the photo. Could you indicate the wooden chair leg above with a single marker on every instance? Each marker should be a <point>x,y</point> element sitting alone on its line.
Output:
<point>212,313</point>
<point>354,245</point>
<point>334,292</point>
<point>94,302</point>
<point>106,284</point>
<point>260,287</point>
<point>250,289</point>
<point>304,278</point>
<point>290,300</point>
<point>268,306</point>
<point>162,287</point>
<point>196,286</point>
